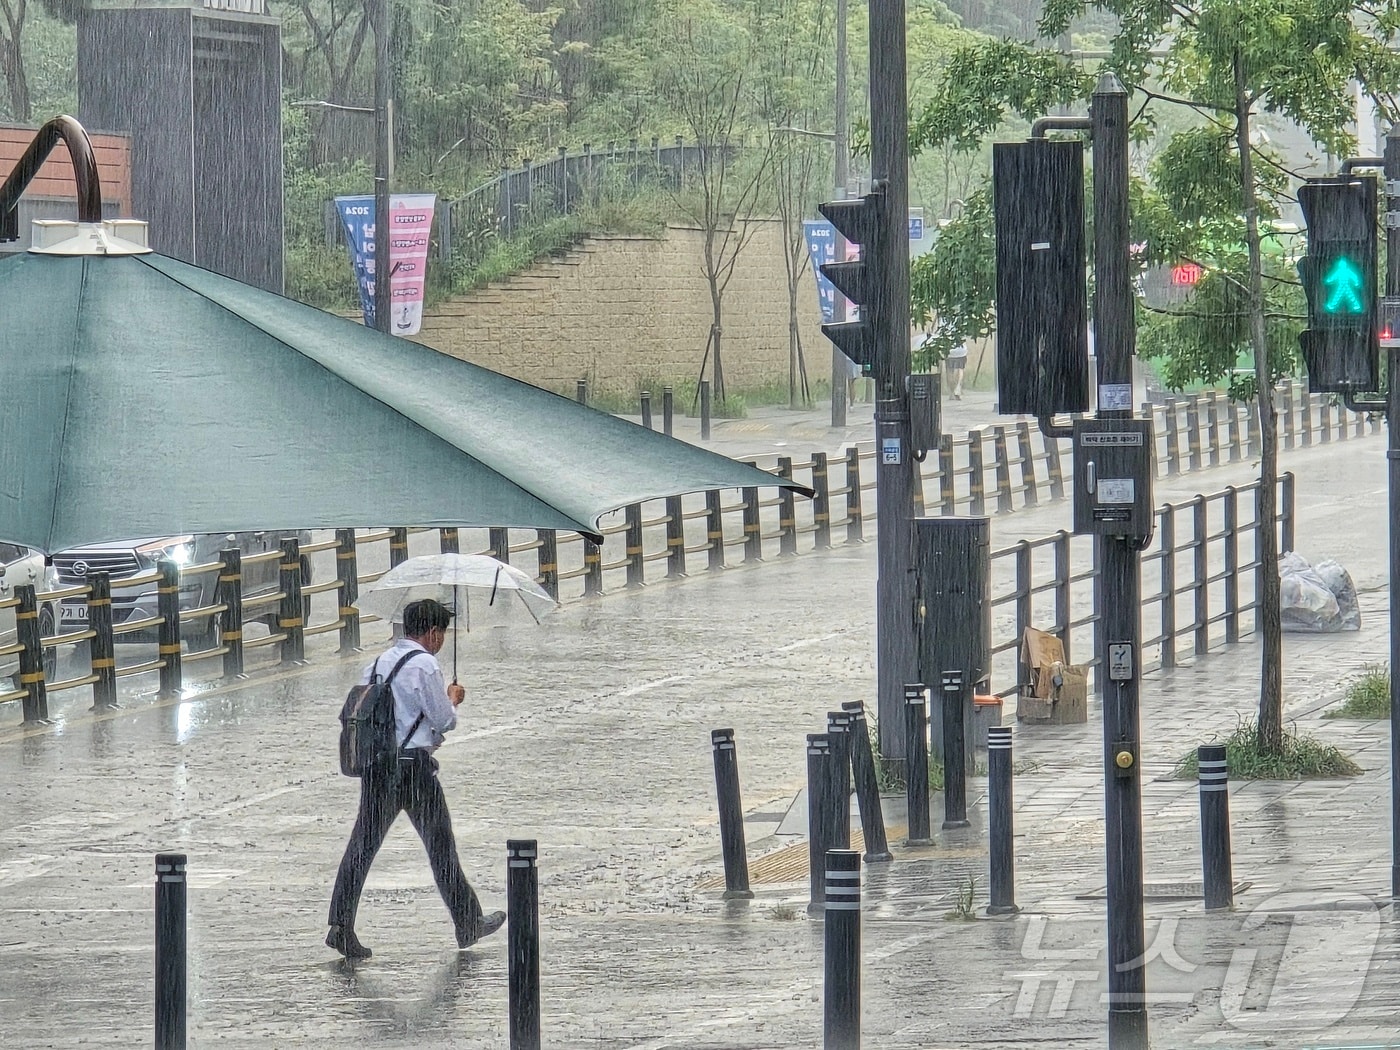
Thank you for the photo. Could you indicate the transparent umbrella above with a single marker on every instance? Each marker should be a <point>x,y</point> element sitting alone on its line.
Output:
<point>452,579</point>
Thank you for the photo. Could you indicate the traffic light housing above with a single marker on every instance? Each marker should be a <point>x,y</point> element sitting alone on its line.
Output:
<point>863,221</point>
<point>1341,346</point>
<point>1042,315</point>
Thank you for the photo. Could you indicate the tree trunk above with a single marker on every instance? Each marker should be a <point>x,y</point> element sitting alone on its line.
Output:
<point>1267,614</point>
<point>794,347</point>
<point>17,83</point>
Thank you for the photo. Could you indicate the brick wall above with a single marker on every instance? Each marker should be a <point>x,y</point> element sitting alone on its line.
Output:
<point>625,310</point>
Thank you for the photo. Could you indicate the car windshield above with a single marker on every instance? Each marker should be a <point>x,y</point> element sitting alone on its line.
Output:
<point>11,553</point>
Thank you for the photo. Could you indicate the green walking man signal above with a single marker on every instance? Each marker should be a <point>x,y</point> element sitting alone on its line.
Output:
<point>1344,286</point>
<point>1341,345</point>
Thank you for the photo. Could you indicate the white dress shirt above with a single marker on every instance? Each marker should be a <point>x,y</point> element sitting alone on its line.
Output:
<point>419,688</point>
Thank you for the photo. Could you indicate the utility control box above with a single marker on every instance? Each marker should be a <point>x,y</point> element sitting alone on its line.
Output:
<point>925,427</point>
<point>1113,478</point>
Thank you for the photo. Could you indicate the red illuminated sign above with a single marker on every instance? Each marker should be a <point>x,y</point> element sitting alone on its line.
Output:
<point>1186,274</point>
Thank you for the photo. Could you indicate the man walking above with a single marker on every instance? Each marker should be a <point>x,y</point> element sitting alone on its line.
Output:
<point>424,709</point>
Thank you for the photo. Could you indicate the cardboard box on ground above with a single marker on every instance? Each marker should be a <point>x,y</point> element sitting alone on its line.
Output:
<point>1058,692</point>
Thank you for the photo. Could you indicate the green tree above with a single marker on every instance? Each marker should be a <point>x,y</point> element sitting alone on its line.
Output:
<point>705,77</point>
<point>797,40</point>
<point>1229,62</point>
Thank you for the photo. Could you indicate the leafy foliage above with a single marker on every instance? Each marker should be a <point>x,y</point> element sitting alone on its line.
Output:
<point>955,283</point>
<point>1367,696</point>
<point>1300,758</point>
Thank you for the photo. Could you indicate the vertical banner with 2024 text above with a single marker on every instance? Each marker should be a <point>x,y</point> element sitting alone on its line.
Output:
<point>410,224</point>
<point>821,247</point>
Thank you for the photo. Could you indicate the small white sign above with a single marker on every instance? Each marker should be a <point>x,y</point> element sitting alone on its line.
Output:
<point>890,452</point>
<point>1116,397</point>
<point>1120,662</point>
<point>1117,491</point>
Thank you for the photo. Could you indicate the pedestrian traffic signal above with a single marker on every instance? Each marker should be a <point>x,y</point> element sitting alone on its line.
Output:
<point>1341,346</point>
<point>865,222</point>
<point>1042,318</point>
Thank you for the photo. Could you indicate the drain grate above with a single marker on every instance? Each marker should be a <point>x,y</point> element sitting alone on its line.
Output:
<point>1163,891</point>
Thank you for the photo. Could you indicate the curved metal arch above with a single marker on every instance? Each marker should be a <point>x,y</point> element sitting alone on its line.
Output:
<point>72,134</point>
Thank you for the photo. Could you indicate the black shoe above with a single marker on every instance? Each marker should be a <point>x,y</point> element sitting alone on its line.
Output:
<point>346,943</point>
<point>485,926</point>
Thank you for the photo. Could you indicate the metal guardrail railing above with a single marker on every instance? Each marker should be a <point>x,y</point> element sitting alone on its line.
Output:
<point>552,187</point>
<point>995,469</point>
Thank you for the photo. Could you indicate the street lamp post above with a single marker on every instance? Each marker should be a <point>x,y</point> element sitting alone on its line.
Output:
<point>383,165</point>
<point>840,175</point>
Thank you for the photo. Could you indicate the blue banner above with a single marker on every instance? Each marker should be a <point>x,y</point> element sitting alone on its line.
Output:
<point>821,246</point>
<point>357,216</point>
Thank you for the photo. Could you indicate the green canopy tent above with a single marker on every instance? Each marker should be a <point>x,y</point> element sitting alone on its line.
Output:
<point>145,396</point>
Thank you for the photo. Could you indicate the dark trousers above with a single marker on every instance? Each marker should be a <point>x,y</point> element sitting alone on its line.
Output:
<point>414,790</point>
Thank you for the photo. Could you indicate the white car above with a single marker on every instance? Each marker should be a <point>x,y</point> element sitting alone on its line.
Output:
<point>20,566</point>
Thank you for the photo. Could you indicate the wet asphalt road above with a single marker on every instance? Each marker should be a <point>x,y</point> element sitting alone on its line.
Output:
<point>590,733</point>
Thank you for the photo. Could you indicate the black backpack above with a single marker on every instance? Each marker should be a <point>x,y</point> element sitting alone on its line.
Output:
<point>368,736</point>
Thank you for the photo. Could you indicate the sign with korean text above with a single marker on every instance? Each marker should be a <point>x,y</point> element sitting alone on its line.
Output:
<point>409,228</point>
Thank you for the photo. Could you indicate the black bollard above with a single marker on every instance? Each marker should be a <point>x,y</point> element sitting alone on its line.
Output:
<point>1002,822</point>
<point>872,818</point>
<point>667,410</point>
<point>1214,776</point>
<point>916,765</point>
<point>646,409</point>
<point>523,942</point>
<point>838,731</point>
<point>170,951</point>
<point>581,392</point>
<point>704,410</point>
<point>818,836</point>
<point>731,815</point>
<point>841,1013</point>
<point>954,753</point>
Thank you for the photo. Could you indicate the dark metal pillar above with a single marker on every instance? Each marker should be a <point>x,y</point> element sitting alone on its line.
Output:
<point>896,638</point>
<point>1392,415</point>
<point>916,764</point>
<point>1120,579</point>
<point>867,784</point>
<point>523,942</point>
<point>170,952</point>
<point>731,815</point>
<point>841,1009</point>
<point>1213,774</point>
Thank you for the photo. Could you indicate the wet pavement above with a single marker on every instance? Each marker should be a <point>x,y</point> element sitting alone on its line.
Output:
<point>591,734</point>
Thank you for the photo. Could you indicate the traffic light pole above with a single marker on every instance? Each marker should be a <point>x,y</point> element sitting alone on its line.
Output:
<point>1392,417</point>
<point>896,633</point>
<point>1390,168</point>
<point>1119,581</point>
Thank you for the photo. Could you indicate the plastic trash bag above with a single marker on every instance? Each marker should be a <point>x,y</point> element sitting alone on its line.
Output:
<point>1313,601</point>
<point>1339,582</point>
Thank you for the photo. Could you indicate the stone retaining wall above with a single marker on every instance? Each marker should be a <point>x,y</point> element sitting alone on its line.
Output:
<point>624,310</point>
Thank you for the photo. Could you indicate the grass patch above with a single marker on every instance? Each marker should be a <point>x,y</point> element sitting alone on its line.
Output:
<point>508,256</point>
<point>782,912</point>
<point>1302,758</point>
<point>964,907</point>
<point>1367,696</point>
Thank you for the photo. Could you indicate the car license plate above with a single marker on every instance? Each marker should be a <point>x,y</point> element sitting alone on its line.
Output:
<point>75,612</point>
